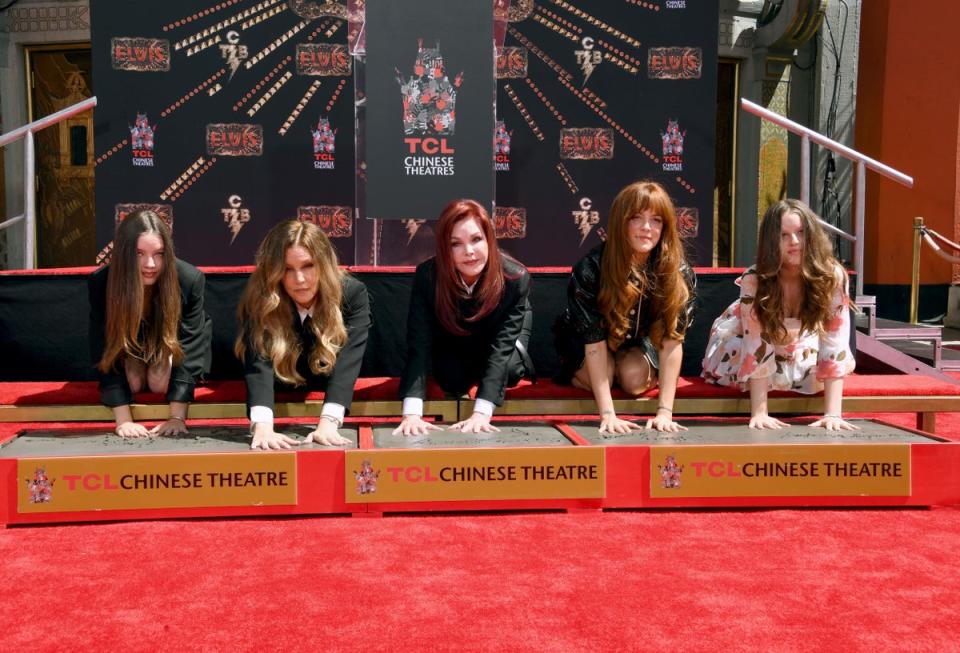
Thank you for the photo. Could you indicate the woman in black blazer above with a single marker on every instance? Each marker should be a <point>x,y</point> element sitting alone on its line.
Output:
<point>148,329</point>
<point>303,322</point>
<point>469,318</point>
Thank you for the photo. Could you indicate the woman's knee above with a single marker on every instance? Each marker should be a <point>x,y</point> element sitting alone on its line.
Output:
<point>581,378</point>
<point>636,375</point>
<point>158,378</point>
<point>136,373</point>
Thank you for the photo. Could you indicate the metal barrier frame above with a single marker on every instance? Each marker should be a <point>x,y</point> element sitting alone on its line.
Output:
<point>862,162</point>
<point>29,217</point>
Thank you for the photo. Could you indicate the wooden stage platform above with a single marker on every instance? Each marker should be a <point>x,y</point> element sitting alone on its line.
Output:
<point>81,473</point>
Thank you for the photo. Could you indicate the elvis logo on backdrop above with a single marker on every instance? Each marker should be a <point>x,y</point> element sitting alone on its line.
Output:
<point>312,9</point>
<point>588,58</point>
<point>501,147</point>
<point>234,140</point>
<point>141,141</point>
<point>510,222</point>
<point>586,218</point>
<point>140,54</point>
<point>586,143</point>
<point>324,145</point>
<point>163,211</point>
<point>511,63</point>
<point>688,221</point>
<point>335,221</point>
<point>235,216</point>
<point>429,114</point>
<point>674,63</point>
<point>673,146</point>
<point>323,59</point>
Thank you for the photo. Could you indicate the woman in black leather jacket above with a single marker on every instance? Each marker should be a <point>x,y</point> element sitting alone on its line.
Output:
<point>629,304</point>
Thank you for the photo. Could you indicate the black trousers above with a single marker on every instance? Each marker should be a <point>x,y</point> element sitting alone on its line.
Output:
<point>456,371</point>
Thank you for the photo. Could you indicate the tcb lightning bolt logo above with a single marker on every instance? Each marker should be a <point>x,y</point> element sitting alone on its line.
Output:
<point>235,216</point>
<point>585,219</point>
<point>412,226</point>
<point>233,53</point>
<point>588,58</point>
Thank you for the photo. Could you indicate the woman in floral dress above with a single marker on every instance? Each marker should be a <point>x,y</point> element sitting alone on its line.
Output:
<point>790,328</point>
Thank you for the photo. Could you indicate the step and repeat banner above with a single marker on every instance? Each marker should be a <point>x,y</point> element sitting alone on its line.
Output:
<point>226,117</point>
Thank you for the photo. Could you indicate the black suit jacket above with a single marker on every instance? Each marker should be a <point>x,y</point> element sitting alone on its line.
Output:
<point>492,338</point>
<point>355,306</point>
<point>195,334</point>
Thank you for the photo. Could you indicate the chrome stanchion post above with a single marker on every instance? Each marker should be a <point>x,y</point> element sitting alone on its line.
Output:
<point>915,274</point>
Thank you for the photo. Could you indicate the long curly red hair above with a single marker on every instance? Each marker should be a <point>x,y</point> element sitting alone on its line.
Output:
<point>622,283</point>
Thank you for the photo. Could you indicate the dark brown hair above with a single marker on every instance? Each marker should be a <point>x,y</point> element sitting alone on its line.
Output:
<point>820,272</point>
<point>125,298</point>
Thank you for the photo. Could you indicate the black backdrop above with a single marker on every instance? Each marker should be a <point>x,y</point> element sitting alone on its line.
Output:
<point>272,185</point>
<point>568,141</point>
<point>59,351</point>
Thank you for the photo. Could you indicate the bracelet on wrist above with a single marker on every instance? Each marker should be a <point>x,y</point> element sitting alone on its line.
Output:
<point>669,410</point>
<point>837,416</point>
<point>330,418</point>
<point>179,419</point>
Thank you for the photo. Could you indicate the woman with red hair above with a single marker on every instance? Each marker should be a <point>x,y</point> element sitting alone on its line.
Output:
<point>469,320</point>
<point>629,304</point>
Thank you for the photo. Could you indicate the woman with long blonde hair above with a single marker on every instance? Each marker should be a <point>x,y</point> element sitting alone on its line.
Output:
<point>148,328</point>
<point>629,304</point>
<point>303,323</point>
<point>790,328</point>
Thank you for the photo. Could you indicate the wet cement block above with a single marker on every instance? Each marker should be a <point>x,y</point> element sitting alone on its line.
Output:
<point>703,433</point>
<point>523,434</point>
<point>201,439</point>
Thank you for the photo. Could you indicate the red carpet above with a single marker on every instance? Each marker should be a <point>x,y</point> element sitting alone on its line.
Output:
<point>767,580</point>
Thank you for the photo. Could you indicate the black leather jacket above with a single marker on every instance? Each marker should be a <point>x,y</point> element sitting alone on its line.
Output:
<point>582,323</point>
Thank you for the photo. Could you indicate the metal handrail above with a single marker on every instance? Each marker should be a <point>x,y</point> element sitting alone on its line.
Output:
<point>862,162</point>
<point>26,132</point>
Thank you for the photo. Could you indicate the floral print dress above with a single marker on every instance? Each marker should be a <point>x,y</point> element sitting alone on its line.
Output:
<point>737,351</point>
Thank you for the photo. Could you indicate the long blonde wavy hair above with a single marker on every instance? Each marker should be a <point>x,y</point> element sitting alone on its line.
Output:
<point>126,307</point>
<point>820,272</point>
<point>265,312</point>
<point>622,283</point>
